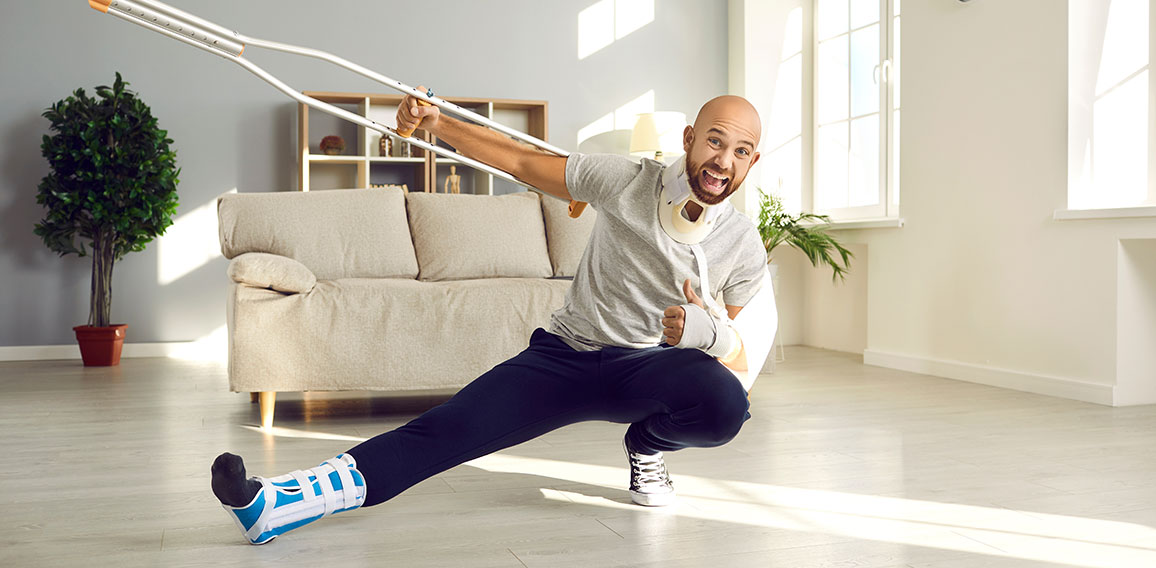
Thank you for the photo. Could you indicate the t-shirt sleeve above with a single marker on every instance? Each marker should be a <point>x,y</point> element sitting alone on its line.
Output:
<point>748,272</point>
<point>598,179</point>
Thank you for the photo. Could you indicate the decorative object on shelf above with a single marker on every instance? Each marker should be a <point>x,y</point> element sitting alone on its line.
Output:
<point>332,145</point>
<point>404,150</point>
<point>453,182</point>
<point>113,180</point>
<point>385,146</point>
<point>805,231</point>
<point>657,134</point>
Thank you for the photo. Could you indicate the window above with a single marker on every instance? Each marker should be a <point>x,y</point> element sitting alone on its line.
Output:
<point>783,140</point>
<point>856,108</point>
<point>1109,97</point>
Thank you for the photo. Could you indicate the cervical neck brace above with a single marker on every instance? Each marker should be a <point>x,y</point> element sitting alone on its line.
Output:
<point>676,194</point>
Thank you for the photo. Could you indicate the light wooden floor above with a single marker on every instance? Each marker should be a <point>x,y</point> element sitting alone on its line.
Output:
<point>842,465</point>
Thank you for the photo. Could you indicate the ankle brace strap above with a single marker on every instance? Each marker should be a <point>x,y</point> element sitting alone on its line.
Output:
<point>300,497</point>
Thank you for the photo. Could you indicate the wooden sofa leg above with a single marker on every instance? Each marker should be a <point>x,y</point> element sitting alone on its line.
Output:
<point>268,400</point>
<point>253,396</point>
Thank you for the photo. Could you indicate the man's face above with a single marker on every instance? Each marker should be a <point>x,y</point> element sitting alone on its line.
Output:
<point>720,150</point>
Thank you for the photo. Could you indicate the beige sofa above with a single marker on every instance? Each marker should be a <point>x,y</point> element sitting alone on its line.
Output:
<point>382,290</point>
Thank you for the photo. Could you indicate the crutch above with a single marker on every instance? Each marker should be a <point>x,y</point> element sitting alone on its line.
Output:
<point>229,44</point>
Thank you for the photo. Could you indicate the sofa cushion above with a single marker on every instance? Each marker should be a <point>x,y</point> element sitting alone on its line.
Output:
<point>272,271</point>
<point>461,236</point>
<point>383,333</point>
<point>347,233</point>
<point>566,236</point>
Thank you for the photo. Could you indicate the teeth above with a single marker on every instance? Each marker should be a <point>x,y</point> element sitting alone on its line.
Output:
<point>720,178</point>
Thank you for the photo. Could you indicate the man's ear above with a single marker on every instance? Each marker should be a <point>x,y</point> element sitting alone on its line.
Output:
<point>755,159</point>
<point>687,138</point>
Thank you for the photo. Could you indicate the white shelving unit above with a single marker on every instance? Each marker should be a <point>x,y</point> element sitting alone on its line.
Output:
<point>362,166</point>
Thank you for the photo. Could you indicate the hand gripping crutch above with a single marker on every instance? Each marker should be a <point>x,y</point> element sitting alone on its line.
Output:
<point>229,44</point>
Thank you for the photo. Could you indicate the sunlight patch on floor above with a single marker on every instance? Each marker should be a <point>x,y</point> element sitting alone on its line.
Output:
<point>279,432</point>
<point>1074,541</point>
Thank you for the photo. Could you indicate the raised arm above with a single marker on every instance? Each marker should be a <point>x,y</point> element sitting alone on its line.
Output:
<point>542,170</point>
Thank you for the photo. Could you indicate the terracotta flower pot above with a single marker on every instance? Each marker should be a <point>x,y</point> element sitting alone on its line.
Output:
<point>100,346</point>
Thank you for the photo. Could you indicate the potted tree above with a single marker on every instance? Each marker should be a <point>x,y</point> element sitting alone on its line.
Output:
<point>113,183</point>
<point>805,231</point>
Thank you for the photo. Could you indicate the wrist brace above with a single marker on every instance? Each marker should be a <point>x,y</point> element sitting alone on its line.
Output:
<point>702,331</point>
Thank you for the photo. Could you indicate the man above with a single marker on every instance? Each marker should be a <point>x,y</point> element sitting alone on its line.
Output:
<point>634,342</point>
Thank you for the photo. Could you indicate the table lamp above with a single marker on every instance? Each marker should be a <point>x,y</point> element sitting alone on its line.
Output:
<point>657,134</point>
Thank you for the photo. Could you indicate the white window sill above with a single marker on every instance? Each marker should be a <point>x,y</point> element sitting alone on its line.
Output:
<point>876,223</point>
<point>1114,213</point>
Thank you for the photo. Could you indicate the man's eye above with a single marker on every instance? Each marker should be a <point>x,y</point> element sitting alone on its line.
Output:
<point>743,152</point>
<point>713,141</point>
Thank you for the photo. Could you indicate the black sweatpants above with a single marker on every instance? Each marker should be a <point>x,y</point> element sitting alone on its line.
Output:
<point>672,398</point>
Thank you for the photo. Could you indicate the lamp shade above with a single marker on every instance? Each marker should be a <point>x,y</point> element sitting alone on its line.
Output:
<point>657,132</point>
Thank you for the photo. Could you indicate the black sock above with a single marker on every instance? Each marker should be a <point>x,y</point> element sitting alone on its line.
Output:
<point>229,482</point>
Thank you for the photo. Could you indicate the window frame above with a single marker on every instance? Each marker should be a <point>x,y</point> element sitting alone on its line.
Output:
<point>887,72</point>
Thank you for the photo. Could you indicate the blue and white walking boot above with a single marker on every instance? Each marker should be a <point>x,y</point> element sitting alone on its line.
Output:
<point>300,497</point>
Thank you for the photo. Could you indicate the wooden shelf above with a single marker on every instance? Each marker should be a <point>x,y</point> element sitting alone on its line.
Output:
<point>383,160</point>
<point>421,172</point>
<point>335,159</point>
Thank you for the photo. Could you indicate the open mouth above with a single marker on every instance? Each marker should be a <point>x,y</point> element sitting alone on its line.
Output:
<point>713,183</point>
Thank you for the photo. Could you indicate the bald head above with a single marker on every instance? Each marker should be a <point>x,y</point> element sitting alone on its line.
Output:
<point>734,110</point>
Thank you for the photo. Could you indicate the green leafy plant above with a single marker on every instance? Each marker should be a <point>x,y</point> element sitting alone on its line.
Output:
<point>806,232</point>
<point>113,182</point>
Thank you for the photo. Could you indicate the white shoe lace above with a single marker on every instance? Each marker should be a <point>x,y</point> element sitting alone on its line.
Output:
<point>648,473</point>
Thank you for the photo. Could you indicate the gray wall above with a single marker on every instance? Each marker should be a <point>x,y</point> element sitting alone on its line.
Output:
<point>231,130</point>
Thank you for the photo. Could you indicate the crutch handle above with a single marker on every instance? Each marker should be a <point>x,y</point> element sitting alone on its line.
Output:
<point>101,5</point>
<point>408,133</point>
<point>576,208</point>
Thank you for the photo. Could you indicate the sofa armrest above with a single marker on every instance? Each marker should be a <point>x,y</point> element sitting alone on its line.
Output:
<point>264,270</point>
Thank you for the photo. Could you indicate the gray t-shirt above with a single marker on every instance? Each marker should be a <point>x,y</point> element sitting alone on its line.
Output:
<point>632,270</point>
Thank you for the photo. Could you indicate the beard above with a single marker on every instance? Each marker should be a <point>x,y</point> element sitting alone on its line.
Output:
<point>694,177</point>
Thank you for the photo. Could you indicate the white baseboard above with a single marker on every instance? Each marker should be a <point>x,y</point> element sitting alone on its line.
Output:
<point>56,352</point>
<point>1003,378</point>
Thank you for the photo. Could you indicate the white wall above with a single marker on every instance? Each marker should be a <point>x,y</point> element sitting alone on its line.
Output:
<point>233,131</point>
<point>816,311</point>
<point>981,284</point>
<point>1136,322</point>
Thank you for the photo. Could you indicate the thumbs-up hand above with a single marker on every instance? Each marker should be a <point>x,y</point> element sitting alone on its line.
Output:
<point>688,325</point>
<point>691,297</point>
